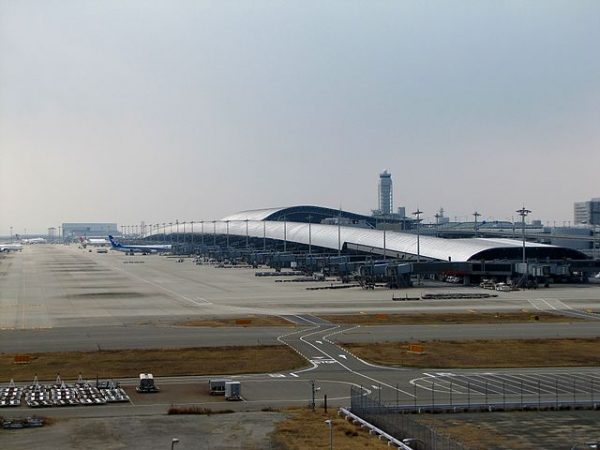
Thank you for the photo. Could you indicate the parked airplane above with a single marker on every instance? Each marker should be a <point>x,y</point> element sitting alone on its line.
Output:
<point>11,248</point>
<point>34,241</point>
<point>93,242</point>
<point>145,249</point>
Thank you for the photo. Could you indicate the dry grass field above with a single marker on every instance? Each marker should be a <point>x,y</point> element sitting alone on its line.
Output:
<point>447,318</point>
<point>488,354</point>
<point>246,321</point>
<point>171,362</point>
<point>307,430</point>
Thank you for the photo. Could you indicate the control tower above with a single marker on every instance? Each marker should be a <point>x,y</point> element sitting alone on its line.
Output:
<point>386,193</point>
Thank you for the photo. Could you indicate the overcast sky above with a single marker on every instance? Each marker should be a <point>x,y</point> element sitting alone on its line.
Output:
<point>125,111</point>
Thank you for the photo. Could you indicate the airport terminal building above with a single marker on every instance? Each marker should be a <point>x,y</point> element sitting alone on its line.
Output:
<point>72,230</point>
<point>316,228</point>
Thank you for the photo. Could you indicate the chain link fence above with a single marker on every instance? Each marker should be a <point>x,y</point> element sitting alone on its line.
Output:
<point>402,426</point>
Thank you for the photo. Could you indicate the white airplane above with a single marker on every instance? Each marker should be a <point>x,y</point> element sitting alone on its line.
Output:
<point>34,241</point>
<point>93,242</point>
<point>138,248</point>
<point>11,248</point>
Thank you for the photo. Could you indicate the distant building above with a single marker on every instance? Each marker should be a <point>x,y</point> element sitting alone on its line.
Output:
<point>384,214</point>
<point>386,194</point>
<point>74,230</point>
<point>587,212</point>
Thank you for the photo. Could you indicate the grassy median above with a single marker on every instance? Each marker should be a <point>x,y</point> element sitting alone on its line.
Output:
<point>168,362</point>
<point>305,429</point>
<point>484,353</point>
<point>245,321</point>
<point>447,318</point>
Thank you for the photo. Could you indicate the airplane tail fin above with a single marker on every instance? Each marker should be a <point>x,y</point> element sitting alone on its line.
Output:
<point>113,242</point>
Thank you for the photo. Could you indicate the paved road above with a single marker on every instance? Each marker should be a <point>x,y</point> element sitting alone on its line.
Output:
<point>62,298</point>
<point>167,336</point>
<point>332,370</point>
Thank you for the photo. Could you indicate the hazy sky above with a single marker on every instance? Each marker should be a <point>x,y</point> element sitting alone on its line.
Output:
<point>161,110</point>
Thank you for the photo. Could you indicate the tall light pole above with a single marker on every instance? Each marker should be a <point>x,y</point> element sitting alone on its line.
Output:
<point>384,243</point>
<point>264,235</point>
<point>329,422</point>
<point>164,232</point>
<point>417,214</point>
<point>11,238</point>
<point>523,213</point>
<point>177,228</point>
<point>247,238</point>
<point>192,223</point>
<point>173,442</point>
<point>476,215</point>
<point>227,223</point>
<point>339,230</point>
<point>284,234</point>
<point>314,390</point>
<point>214,232</point>
<point>202,232</point>
<point>309,235</point>
<point>171,231</point>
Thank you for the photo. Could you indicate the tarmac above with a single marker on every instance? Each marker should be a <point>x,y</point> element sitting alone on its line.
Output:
<point>56,298</point>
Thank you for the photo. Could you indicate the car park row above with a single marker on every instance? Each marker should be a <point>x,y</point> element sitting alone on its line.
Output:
<point>61,394</point>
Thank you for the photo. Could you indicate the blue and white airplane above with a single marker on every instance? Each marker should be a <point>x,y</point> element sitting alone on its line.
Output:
<point>145,249</point>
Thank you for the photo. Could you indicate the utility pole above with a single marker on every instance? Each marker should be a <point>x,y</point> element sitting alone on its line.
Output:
<point>314,391</point>
<point>523,213</point>
<point>417,214</point>
<point>476,215</point>
<point>339,224</point>
<point>284,234</point>
<point>309,235</point>
<point>227,224</point>
<point>247,238</point>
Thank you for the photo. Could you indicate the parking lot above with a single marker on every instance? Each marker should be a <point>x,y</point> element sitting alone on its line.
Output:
<point>61,394</point>
<point>515,387</point>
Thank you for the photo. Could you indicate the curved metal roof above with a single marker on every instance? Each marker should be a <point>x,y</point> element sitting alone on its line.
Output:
<point>300,213</point>
<point>326,236</point>
<point>253,214</point>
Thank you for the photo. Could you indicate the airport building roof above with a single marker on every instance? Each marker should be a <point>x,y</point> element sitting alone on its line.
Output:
<point>267,223</point>
<point>301,213</point>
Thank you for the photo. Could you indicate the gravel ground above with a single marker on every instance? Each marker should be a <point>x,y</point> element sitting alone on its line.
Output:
<point>223,431</point>
<point>549,430</point>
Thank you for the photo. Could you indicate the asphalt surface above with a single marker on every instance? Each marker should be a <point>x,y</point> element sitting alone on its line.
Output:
<point>64,298</point>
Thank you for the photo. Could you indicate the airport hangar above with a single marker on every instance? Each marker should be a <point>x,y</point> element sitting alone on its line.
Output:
<point>306,236</point>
